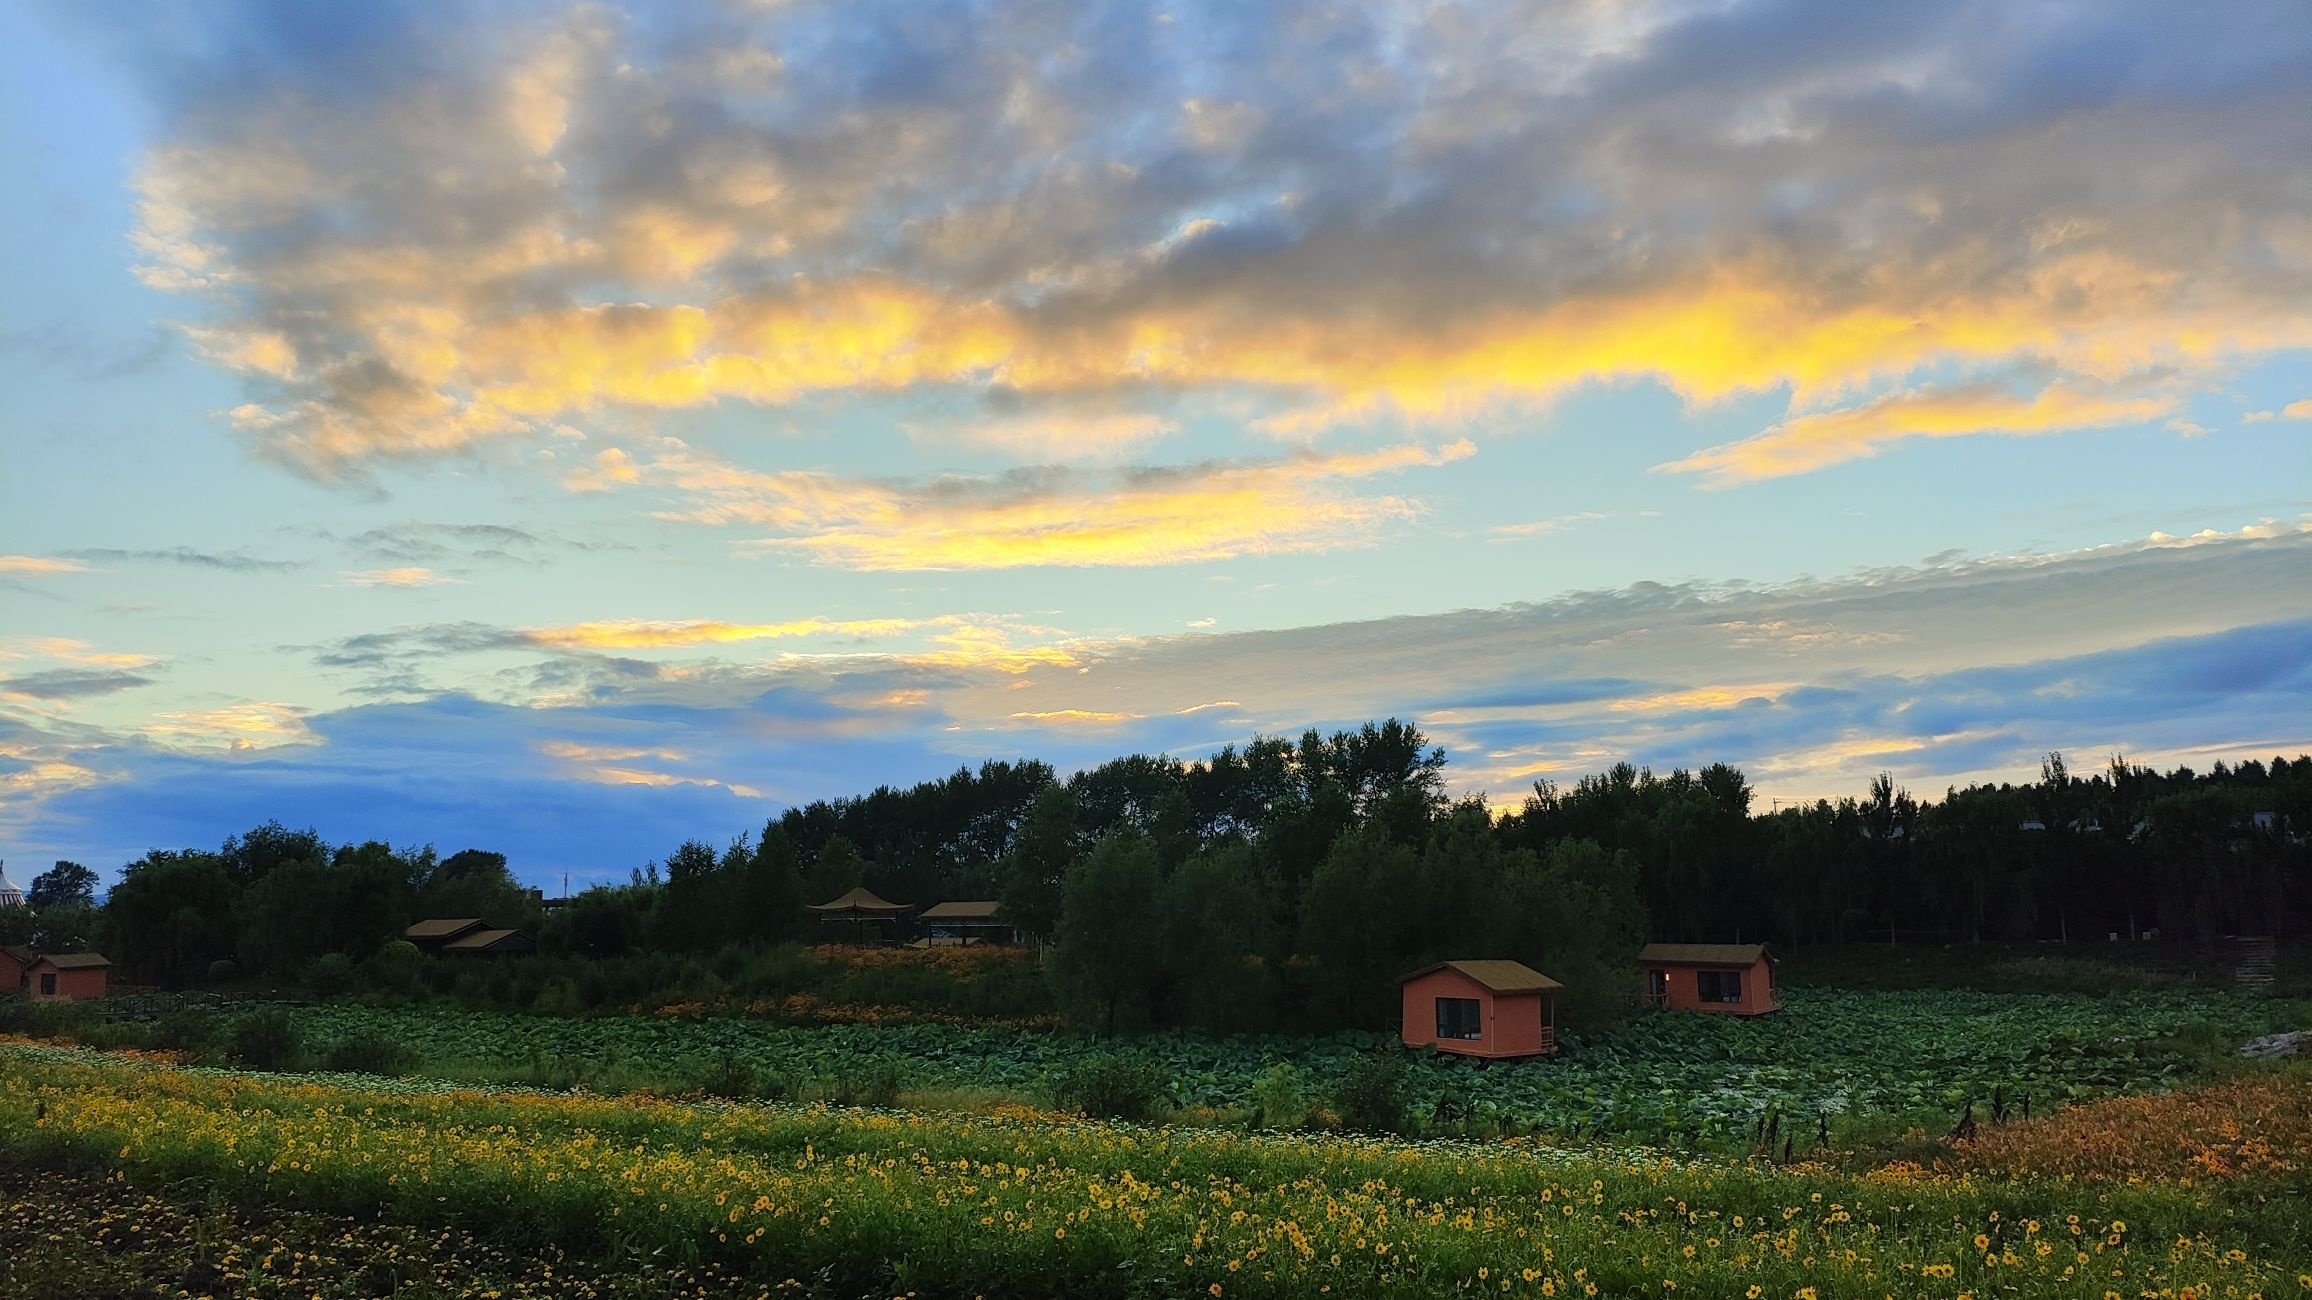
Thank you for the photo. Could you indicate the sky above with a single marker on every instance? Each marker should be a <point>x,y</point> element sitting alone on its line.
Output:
<point>574,429</point>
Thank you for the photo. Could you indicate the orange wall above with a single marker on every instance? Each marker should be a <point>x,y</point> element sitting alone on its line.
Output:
<point>71,985</point>
<point>11,973</point>
<point>1513,1023</point>
<point>1758,994</point>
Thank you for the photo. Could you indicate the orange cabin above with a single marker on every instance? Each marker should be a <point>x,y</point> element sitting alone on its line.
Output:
<point>1734,978</point>
<point>1497,1010</point>
<point>68,977</point>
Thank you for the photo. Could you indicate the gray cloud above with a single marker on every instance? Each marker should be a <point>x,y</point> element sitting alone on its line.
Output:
<point>70,683</point>
<point>222,561</point>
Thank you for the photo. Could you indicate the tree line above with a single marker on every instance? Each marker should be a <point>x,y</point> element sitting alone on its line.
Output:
<point>1288,883</point>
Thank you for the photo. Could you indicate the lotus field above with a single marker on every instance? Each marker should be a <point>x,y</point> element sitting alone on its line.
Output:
<point>853,1202</point>
<point>1841,1057</point>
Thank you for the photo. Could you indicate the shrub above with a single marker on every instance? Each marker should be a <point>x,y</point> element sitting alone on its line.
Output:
<point>369,1052</point>
<point>330,976</point>
<point>878,1083</point>
<point>224,970</point>
<point>268,1040</point>
<point>1112,1085</point>
<point>1371,1094</point>
<point>1278,1098</point>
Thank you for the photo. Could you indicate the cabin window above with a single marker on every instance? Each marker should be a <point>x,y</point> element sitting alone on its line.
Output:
<point>48,986</point>
<point>1718,985</point>
<point>1457,1018</point>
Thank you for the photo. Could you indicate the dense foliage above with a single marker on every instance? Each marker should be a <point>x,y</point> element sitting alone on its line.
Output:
<point>870,1202</point>
<point>1287,884</point>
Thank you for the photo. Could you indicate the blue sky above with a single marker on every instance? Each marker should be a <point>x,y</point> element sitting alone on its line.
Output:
<point>569,430</point>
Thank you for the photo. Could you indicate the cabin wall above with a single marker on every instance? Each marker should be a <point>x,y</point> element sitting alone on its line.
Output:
<point>1685,988</point>
<point>1513,1024</point>
<point>71,985</point>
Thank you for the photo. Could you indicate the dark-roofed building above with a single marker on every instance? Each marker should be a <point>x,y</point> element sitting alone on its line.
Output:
<point>946,924</point>
<point>1736,978</point>
<point>432,934</point>
<point>859,916</point>
<point>1494,1009</point>
<point>490,943</point>
<point>68,977</point>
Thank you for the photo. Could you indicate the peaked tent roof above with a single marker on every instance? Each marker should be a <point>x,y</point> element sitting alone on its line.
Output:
<point>1497,976</point>
<point>74,960</point>
<point>964,911</point>
<point>859,902</point>
<point>1704,954</point>
<point>10,895</point>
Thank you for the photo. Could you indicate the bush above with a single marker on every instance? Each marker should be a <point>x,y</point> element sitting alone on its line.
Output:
<point>1109,1086</point>
<point>735,1078</point>
<point>1371,1095</point>
<point>1278,1098</point>
<point>268,1040</point>
<point>224,970</point>
<point>330,976</point>
<point>876,1084</point>
<point>195,1033</point>
<point>369,1052</point>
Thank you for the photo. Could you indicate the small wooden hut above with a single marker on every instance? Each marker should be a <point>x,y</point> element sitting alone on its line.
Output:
<point>860,917</point>
<point>1731,978</point>
<point>69,977</point>
<point>1496,1010</point>
<point>15,962</point>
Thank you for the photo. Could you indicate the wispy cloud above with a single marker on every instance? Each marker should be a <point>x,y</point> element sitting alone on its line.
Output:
<point>1824,438</point>
<point>223,561</point>
<point>38,565</point>
<point>2292,411</point>
<point>70,683</point>
<point>410,575</point>
<point>1051,516</point>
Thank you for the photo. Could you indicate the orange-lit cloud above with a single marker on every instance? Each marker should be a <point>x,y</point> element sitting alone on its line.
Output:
<point>1810,442</point>
<point>672,634</point>
<point>405,576</point>
<point>1145,517</point>
<point>38,564</point>
<point>2292,411</point>
<point>251,725</point>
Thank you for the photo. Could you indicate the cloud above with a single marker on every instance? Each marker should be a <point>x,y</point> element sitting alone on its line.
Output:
<point>1051,516</point>
<point>1814,441</point>
<point>410,575</point>
<point>447,229</point>
<point>70,683</point>
<point>653,634</point>
<point>1541,527</point>
<point>38,564</point>
<point>222,561</point>
<point>598,760</point>
<point>2292,411</point>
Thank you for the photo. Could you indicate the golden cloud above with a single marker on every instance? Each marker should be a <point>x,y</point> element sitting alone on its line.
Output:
<point>1810,442</point>
<point>673,634</point>
<point>1207,512</point>
<point>406,576</point>
<point>39,564</point>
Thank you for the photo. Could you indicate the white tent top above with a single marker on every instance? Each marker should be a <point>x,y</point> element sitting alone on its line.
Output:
<point>10,895</point>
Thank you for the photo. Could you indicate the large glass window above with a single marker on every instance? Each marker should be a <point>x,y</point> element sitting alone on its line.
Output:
<point>1719,985</point>
<point>1458,1018</point>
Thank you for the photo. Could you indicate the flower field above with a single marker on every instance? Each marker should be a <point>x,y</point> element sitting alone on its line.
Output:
<point>851,1203</point>
<point>2253,1127</point>
<point>1878,1057</point>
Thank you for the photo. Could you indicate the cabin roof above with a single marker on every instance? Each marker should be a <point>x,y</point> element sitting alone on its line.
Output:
<point>74,960</point>
<point>963,911</point>
<point>442,927</point>
<point>1703,954</point>
<point>21,953</point>
<point>1495,975</point>
<point>479,940</point>
<point>860,902</point>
